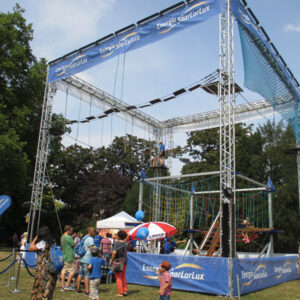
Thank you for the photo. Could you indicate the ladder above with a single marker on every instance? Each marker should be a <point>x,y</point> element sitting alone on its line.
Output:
<point>211,239</point>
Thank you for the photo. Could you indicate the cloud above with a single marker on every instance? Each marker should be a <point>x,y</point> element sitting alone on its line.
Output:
<point>64,25</point>
<point>291,27</point>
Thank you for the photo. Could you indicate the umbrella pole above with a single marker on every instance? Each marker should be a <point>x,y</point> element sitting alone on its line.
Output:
<point>141,196</point>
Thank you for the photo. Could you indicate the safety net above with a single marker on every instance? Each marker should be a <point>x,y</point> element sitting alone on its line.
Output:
<point>262,74</point>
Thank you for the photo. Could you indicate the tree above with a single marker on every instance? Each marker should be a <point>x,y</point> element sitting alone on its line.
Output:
<point>21,94</point>
<point>87,179</point>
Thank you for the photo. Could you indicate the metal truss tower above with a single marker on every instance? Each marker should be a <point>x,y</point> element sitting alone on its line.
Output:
<point>40,162</point>
<point>226,96</point>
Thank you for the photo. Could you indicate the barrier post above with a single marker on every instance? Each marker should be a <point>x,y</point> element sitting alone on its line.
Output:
<point>12,269</point>
<point>16,290</point>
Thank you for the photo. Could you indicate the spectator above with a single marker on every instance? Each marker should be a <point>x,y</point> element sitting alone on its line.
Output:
<point>44,282</point>
<point>165,281</point>
<point>97,240</point>
<point>105,247</point>
<point>120,251</point>
<point>15,240</point>
<point>67,245</point>
<point>76,238</point>
<point>23,245</point>
<point>83,271</point>
<point>94,267</point>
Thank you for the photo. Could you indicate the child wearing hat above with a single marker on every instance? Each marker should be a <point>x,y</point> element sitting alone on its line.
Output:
<point>94,267</point>
<point>165,281</point>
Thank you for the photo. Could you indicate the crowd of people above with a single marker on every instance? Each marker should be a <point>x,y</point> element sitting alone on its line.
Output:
<point>99,251</point>
<point>82,274</point>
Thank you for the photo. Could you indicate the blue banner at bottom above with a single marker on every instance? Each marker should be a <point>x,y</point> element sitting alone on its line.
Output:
<point>190,273</point>
<point>254,274</point>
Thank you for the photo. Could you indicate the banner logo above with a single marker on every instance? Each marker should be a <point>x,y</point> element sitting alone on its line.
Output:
<point>177,274</point>
<point>188,266</point>
<point>259,273</point>
<point>185,16</point>
<point>287,268</point>
<point>125,41</point>
<point>77,61</point>
<point>245,17</point>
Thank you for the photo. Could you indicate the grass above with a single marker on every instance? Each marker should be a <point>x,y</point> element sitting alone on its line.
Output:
<point>286,291</point>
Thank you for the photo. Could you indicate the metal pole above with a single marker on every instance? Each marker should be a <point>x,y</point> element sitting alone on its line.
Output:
<point>184,176</point>
<point>298,169</point>
<point>191,222</point>
<point>157,184</point>
<point>16,290</point>
<point>12,269</point>
<point>270,206</point>
<point>140,207</point>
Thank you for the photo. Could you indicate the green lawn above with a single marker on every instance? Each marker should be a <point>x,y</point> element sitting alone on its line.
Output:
<point>289,290</point>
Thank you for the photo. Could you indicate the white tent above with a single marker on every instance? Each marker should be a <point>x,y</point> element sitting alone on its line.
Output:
<point>121,220</point>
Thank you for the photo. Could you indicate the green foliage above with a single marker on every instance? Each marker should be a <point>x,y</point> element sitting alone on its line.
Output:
<point>21,95</point>
<point>89,180</point>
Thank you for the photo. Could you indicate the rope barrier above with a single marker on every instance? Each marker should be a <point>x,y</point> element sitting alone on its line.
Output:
<point>6,257</point>
<point>7,268</point>
<point>26,267</point>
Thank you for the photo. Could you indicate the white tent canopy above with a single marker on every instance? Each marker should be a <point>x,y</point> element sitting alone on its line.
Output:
<point>121,220</point>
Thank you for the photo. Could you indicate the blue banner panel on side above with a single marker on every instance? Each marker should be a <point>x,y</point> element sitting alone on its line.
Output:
<point>149,32</point>
<point>190,273</point>
<point>5,203</point>
<point>258,273</point>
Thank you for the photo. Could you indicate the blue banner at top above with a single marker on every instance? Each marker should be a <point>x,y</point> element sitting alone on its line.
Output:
<point>159,27</point>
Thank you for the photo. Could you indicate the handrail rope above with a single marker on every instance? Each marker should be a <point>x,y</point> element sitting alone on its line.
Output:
<point>6,257</point>
<point>12,263</point>
<point>55,208</point>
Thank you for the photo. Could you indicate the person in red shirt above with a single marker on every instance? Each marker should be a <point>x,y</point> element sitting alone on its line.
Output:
<point>165,281</point>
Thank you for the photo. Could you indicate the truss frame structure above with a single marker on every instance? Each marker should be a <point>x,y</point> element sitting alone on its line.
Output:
<point>227,115</point>
<point>40,161</point>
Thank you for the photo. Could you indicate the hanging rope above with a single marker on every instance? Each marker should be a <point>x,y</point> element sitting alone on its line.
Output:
<point>89,141</point>
<point>79,116</point>
<point>52,196</point>
<point>27,268</point>
<point>114,93</point>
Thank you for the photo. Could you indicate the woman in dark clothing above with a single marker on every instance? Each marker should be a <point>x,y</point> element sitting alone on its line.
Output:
<point>120,251</point>
<point>44,282</point>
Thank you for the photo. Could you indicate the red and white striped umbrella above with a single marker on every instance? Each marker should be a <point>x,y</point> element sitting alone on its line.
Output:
<point>157,230</point>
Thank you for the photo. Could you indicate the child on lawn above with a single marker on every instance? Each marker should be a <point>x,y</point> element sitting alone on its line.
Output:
<point>165,280</point>
<point>94,267</point>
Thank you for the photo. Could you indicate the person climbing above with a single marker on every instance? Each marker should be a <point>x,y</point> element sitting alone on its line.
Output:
<point>154,154</point>
<point>162,153</point>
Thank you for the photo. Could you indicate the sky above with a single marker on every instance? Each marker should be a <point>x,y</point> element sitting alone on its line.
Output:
<point>154,71</point>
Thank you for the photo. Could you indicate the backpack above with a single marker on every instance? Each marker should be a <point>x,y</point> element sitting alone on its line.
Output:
<point>79,249</point>
<point>56,260</point>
